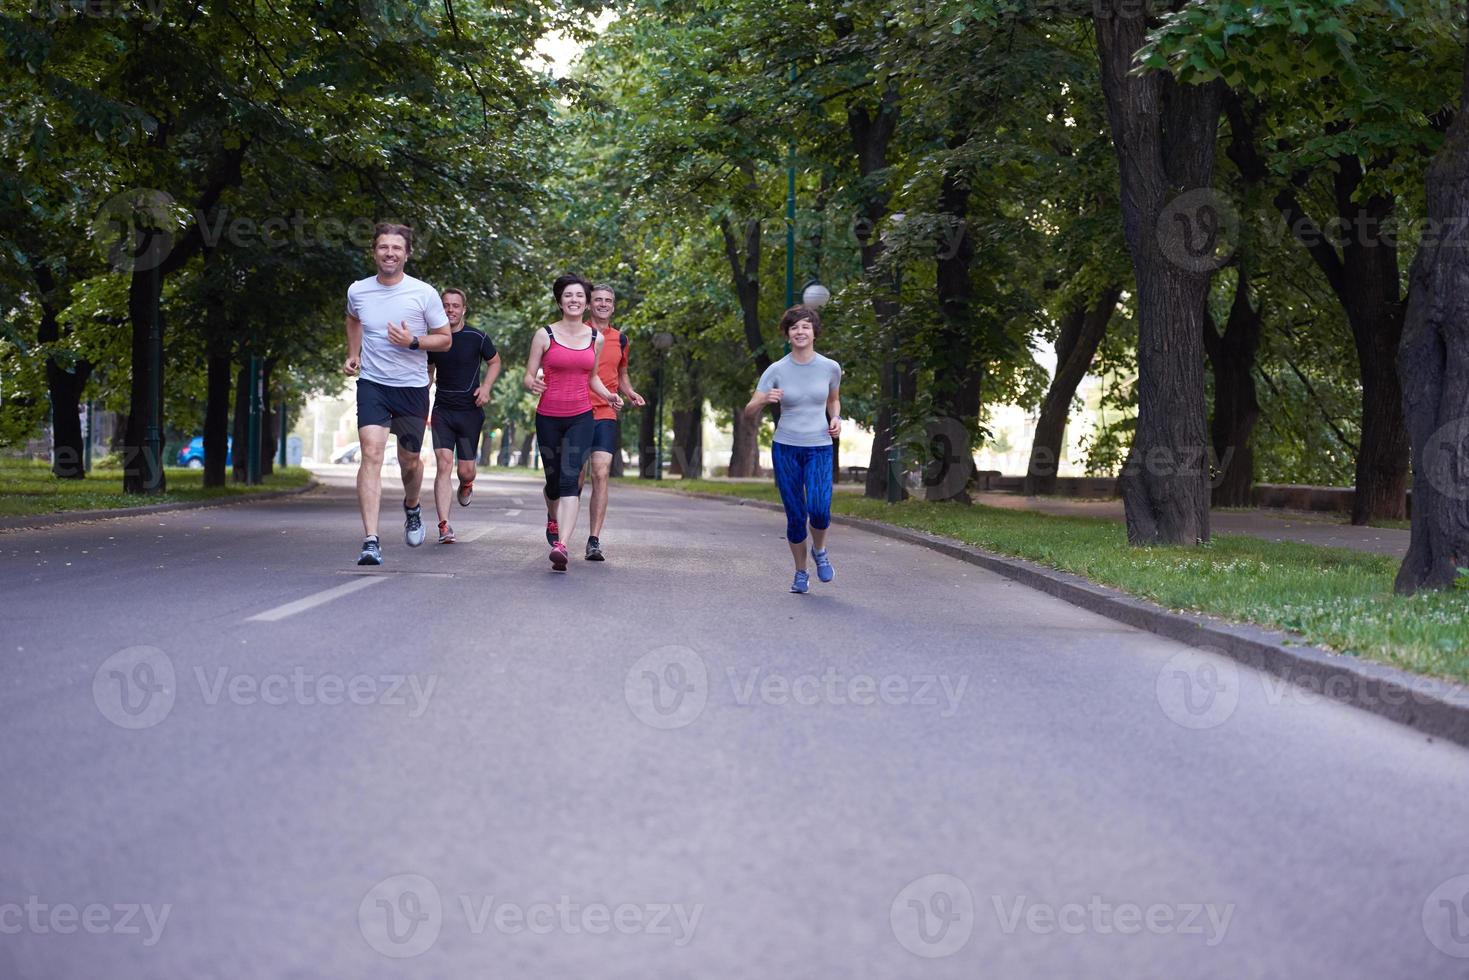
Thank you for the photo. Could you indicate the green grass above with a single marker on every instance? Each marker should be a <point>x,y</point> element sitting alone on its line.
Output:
<point>1334,597</point>
<point>27,487</point>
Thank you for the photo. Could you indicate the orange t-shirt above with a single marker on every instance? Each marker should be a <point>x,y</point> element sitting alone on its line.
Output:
<point>609,367</point>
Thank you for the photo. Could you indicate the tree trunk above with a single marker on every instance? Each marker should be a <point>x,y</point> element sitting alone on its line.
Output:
<point>618,464</point>
<point>239,459</point>
<point>957,372</point>
<point>140,469</point>
<point>648,435</point>
<point>1364,277</point>
<point>217,419</point>
<point>1164,134</point>
<point>67,441</point>
<point>1434,366</point>
<point>688,441</point>
<point>744,456</point>
<point>507,436</point>
<point>270,419</point>
<point>69,461</point>
<point>871,132</point>
<point>1382,462</point>
<point>1368,282</point>
<point>1081,334</point>
<point>526,446</point>
<point>1236,410</point>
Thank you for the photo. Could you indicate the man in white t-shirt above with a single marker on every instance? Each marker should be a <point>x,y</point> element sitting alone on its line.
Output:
<point>393,321</point>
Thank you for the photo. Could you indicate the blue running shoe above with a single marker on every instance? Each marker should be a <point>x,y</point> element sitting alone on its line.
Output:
<point>802,584</point>
<point>824,571</point>
<point>372,552</point>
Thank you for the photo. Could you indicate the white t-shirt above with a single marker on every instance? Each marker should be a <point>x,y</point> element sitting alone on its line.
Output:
<point>412,302</point>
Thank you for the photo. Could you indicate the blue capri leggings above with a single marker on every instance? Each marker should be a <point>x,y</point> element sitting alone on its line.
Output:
<point>803,476</point>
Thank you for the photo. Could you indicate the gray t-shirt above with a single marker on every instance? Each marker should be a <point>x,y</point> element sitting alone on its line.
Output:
<point>411,301</point>
<point>804,389</point>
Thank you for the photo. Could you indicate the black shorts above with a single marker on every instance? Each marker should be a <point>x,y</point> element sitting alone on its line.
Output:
<point>605,437</point>
<point>403,410</point>
<point>458,429</point>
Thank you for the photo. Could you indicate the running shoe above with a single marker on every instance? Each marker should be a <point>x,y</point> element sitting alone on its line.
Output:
<point>553,532</point>
<point>413,531</point>
<point>559,556</point>
<point>466,490</point>
<point>824,571</point>
<point>446,533</point>
<point>802,584</point>
<point>594,550</point>
<point>372,552</point>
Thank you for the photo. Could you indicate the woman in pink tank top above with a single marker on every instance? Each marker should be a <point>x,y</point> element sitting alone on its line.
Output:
<point>562,370</point>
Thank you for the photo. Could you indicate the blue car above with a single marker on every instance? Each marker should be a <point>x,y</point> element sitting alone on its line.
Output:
<point>192,455</point>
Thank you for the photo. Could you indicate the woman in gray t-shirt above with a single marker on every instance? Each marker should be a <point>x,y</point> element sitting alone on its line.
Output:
<point>807,387</point>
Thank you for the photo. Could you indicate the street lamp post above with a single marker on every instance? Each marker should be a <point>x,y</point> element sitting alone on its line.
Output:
<point>662,341</point>
<point>894,477</point>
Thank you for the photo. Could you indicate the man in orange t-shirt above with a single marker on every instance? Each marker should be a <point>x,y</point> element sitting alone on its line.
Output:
<point>606,438</point>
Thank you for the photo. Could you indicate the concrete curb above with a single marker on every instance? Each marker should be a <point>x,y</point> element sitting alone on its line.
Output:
<point>39,521</point>
<point>1434,707</point>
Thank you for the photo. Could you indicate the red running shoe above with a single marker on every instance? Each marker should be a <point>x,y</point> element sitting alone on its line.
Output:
<point>465,491</point>
<point>558,556</point>
<point>553,532</point>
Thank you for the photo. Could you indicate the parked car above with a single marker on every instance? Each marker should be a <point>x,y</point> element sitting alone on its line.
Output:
<point>353,454</point>
<point>192,455</point>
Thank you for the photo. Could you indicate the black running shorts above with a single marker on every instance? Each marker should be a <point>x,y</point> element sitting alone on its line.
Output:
<point>404,411</point>
<point>458,429</point>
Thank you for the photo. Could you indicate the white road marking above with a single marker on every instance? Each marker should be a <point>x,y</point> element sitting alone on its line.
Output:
<point>312,601</point>
<point>518,500</point>
<point>512,513</point>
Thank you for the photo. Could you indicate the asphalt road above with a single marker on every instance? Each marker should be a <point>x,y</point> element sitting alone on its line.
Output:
<point>227,752</point>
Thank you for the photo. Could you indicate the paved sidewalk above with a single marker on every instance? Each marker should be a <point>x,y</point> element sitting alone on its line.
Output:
<point>1319,529</point>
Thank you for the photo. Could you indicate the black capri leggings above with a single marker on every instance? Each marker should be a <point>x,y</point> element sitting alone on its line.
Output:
<point>565,444</point>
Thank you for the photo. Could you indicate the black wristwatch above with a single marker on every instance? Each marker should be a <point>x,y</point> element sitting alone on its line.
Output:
<point>413,344</point>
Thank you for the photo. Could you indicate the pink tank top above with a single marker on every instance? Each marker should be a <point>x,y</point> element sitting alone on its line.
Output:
<point>568,372</point>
